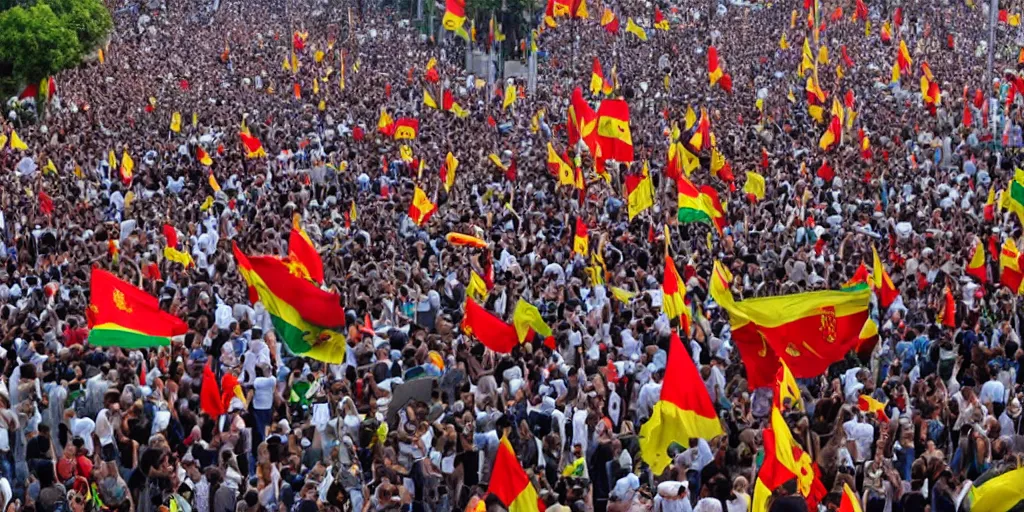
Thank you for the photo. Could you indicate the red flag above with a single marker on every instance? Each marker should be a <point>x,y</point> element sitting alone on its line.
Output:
<point>764,158</point>
<point>171,235</point>
<point>947,317</point>
<point>489,329</point>
<point>209,395</point>
<point>861,12</point>
<point>45,203</point>
<point>826,172</point>
<point>897,18</point>
<point>511,171</point>
<point>846,57</point>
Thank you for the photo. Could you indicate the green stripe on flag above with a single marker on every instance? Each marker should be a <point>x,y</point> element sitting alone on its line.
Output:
<point>113,335</point>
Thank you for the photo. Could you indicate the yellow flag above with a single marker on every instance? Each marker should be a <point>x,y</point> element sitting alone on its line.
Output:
<point>405,152</point>
<point>510,97</point>
<point>127,164</point>
<point>477,288</point>
<point>525,317</point>
<point>3,141</point>
<point>176,122</point>
<point>318,56</point>
<point>206,204</point>
<point>286,64</point>
<point>754,185</point>
<point>50,167</point>
<point>195,119</point>
<point>428,100</point>
<point>213,182</point>
<point>295,63</point>
<point>322,105</point>
<point>783,43</point>
<point>823,54</point>
<point>622,295</point>
<point>867,28</point>
<point>690,119</point>
<point>17,143</point>
<point>497,162</point>
<point>636,30</point>
<point>112,160</point>
<point>316,85</point>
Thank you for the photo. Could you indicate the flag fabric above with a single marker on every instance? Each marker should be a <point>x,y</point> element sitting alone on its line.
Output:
<point>881,283</point>
<point>406,128</point>
<point>609,21</point>
<point>660,22</point>
<point>477,288</point>
<point>302,250</point>
<point>636,30</point>
<point>903,57</point>
<point>755,186</point>
<point>783,43</point>
<point>582,122</point>
<point>17,143</point>
<point>309,321</point>
<point>212,180</point>
<point>127,166</point>
<point>673,300</point>
<point>597,82</point>
<point>580,239</point>
<point>509,482</point>
<point>1013,196</point>
<point>788,389</point>
<point>559,167</point>
<point>510,97</point>
<point>714,70</point>
<point>976,266</point>
<point>121,315</point>
<point>785,460</point>
<point>253,146</point>
<point>455,17</point>
<point>639,191</point>
<point>525,318</point>
<point>421,208</point>
<point>176,122</point>
<point>448,171</point>
<point>613,133</point>
<point>230,389</point>
<point>46,203</point>
<point>385,124</point>
<point>463,240</point>
<point>868,404</point>
<point>695,205</point>
<point>1002,492</point>
<point>701,138</point>
<point>622,295</point>
<point>203,157</point>
<point>808,331</point>
<point>1011,272</point>
<point>886,32</point>
<point>576,469</point>
<point>488,328</point>
<point>428,100</point>
<point>681,160</point>
<point>210,401</point>
<point>683,411</point>
<point>806,59</point>
<point>947,315</point>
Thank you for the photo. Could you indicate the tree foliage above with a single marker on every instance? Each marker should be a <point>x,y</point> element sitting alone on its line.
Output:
<point>38,38</point>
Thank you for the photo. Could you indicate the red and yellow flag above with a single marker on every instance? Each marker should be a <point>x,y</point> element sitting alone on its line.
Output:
<point>850,502</point>
<point>581,239</point>
<point>203,156</point>
<point>808,331</point>
<point>301,248</point>
<point>613,134</point>
<point>785,460</point>
<point>868,404</point>
<point>406,128</point>
<point>421,207</point>
<point>903,57</point>
<point>714,69</point>
<point>455,17</point>
<point>787,390</point>
<point>509,482</point>
<point>1011,271</point>
<point>386,125</point>
<point>582,122</point>
<point>684,410</point>
<point>673,300</point>
<point>701,138</point>
<point>121,315</point>
<point>947,316</point>
<point>448,171</point>
<point>639,191</point>
<point>976,267</point>
<point>559,167</point>
<point>881,283</point>
<point>253,146</point>
<point>609,21</point>
<point>598,84</point>
<point>489,329</point>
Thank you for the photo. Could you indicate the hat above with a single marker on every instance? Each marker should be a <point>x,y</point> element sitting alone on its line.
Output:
<point>1013,410</point>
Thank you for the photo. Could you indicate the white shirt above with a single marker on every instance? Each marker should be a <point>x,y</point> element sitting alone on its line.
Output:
<point>861,434</point>
<point>650,393</point>
<point>992,391</point>
<point>263,393</point>
<point>104,428</point>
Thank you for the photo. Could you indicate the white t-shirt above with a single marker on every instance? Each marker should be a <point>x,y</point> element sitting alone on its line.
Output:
<point>263,393</point>
<point>862,434</point>
<point>992,391</point>
<point>104,428</point>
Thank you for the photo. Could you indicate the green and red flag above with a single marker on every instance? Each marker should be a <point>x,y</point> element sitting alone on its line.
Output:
<point>121,315</point>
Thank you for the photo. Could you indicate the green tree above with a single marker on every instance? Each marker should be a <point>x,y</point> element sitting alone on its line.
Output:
<point>35,43</point>
<point>90,20</point>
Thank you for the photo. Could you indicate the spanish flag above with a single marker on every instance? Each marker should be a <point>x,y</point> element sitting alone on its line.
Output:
<point>121,315</point>
<point>1011,272</point>
<point>869,405</point>
<point>609,21</point>
<point>301,249</point>
<point>976,267</point>
<point>307,319</point>
<point>881,283</point>
<point>488,328</point>
<point>701,139</point>
<point>127,166</point>
<point>448,171</point>
<point>684,410</point>
<point>639,191</point>
<point>455,17</point>
<point>253,146</point>
<point>203,156</point>
<point>582,122</point>
<point>580,239</point>
<point>597,82</point>
<point>406,128</point>
<point>785,460</point>
<point>509,482</point>
<point>421,207</point>
<point>660,22</point>
<point>714,70</point>
<point>212,180</point>
<point>990,203</point>
<point>613,134</point>
<point>903,57</point>
<point>560,168</point>
<point>681,160</point>
<point>230,389</point>
<point>849,501</point>
<point>886,32</point>
<point>787,390</point>
<point>808,331</point>
<point>386,125</point>
<point>673,300</point>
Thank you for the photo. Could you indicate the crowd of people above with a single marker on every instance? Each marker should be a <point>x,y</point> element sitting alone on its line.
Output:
<point>414,416</point>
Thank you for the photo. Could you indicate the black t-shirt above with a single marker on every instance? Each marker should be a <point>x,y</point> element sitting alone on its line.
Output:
<point>38,448</point>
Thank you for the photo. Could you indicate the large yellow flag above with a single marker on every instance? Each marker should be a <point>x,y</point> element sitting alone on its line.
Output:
<point>428,100</point>
<point>176,122</point>
<point>754,186</point>
<point>526,317</point>
<point>17,143</point>
<point>636,30</point>
<point>510,97</point>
